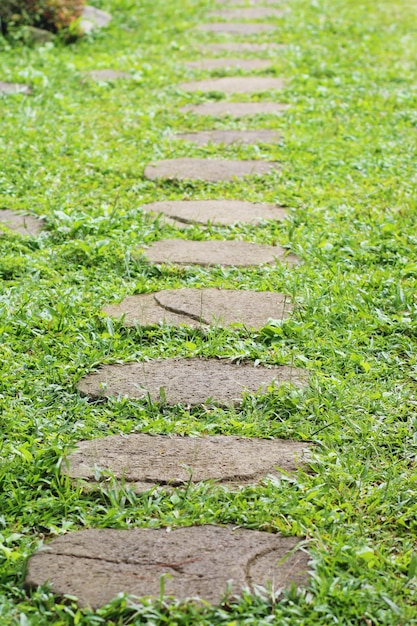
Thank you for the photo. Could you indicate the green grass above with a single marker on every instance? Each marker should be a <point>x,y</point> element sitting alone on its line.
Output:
<point>74,152</point>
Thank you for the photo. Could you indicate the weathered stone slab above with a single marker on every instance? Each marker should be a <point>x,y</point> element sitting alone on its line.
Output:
<point>247,2</point>
<point>224,307</point>
<point>236,28</point>
<point>251,13</point>
<point>144,461</point>
<point>228,137</point>
<point>142,309</point>
<point>235,84</point>
<point>243,64</point>
<point>242,46</point>
<point>93,18</point>
<point>107,75</point>
<point>205,562</point>
<point>216,252</point>
<point>224,212</point>
<point>236,109</point>
<point>186,381</point>
<point>211,170</point>
<point>21,224</point>
<point>13,88</point>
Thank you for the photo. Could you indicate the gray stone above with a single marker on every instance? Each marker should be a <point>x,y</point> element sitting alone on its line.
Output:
<point>21,224</point>
<point>224,212</point>
<point>241,46</point>
<point>143,461</point>
<point>252,13</point>
<point>235,84</point>
<point>236,28</point>
<point>205,562</point>
<point>216,252</point>
<point>13,88</point>
<point>107,75</point>
<point>242,64</point>
<point>235,109</point>
<point>142,309</point>
<point>189,381</point>
<point>93,18</point>
<point>38,35</point>
<point>228,137</point>
<point>211,170</point>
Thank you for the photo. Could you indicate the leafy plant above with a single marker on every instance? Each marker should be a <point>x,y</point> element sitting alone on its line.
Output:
<point>52,15</point>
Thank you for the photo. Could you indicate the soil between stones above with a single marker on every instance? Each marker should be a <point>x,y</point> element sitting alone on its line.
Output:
<point>13,88</point>
<point>243,64</point>
<point>228,137</point>
<point>252,13</point>
<point>201,307</point>
<point>105,75</point>
<point>235,84</point>
<point>21,224</point>
<point>199,562</point>
<point>216,252</point>
<point>236,109</point>
<point>224,212</point>
<point>144,461</point>
<point>189,381</point>
<point>210,170</point>
<point>236,28</point>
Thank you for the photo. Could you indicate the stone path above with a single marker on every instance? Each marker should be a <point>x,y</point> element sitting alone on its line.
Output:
<point>217,252</point>
<point>21,224</point>
<point>107,75</point>
<point>254,13</point>
<point>202,307</point>
<point>235,109</point>
<point>244,46</point>
<point>222,212</point>
<point>210,170</point>
<point>199,561</point>
<point>227,137</point>
<point>236,28</point>
<point>243,64</point>
<point>235,84</point>
<point>13,88</point>
<point>144,461</point>
<point>189,381</point>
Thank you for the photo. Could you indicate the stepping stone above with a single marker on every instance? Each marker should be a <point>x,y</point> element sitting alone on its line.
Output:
<point>236,28</point>
<point>235,84</point>
<point>13,88</point>
<point>189,381</point>
<point>236,109</point>
<point>211,170</point>
<point>205,562</point>
<point>216,252</point>
<point>92,18</point>
<point>143,461</point>
<point>224,212</point>
<point>243,64</point>
<point>202,307</point>
<point>237,46</point>
<point>253,13</point>
<point>21,224</point>
<point>106,75</point>
<point>228,137</point>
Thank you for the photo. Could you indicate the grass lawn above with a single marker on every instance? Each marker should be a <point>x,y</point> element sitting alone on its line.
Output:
<point>74,152</point>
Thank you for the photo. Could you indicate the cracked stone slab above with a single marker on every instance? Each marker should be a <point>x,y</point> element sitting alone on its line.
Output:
<point>242,64</point>
<point>236,28</point>
<point>229,137</point>
<point>235,84</point>
<point>13,88</point>
<point>210,170</point>
<point>144,461</point>
<point>205,562</point>
<point>188,381</point>
<point>243,46</point>
<point>235,109</point>
<point>92,18</point>
<point>105,75</point>
<point>217,252</point>
<point>21,224</point>
<point>251,13</point>
<point>198,308</point>
<point>143,309</point>
<point>223,212</point>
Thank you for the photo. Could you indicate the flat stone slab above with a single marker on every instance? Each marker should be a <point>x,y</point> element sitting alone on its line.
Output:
<point>210,170</point>
<point>13,88</point>
<point>228,137</point>
<point>106,75</point>
<point>202,307</point>
<point>243,64</point>
<point>92,18</point>
<point>252,13</point>
<point>242,46</point>
<point>235,109</point>
<point>235,84</point>
<point>186,381</point>
<point>205,562</point>
<point>145,461</point>
<point>223,212</point>
<point>236,28</point>
<point>21,224</point>
<point>216,252</point>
